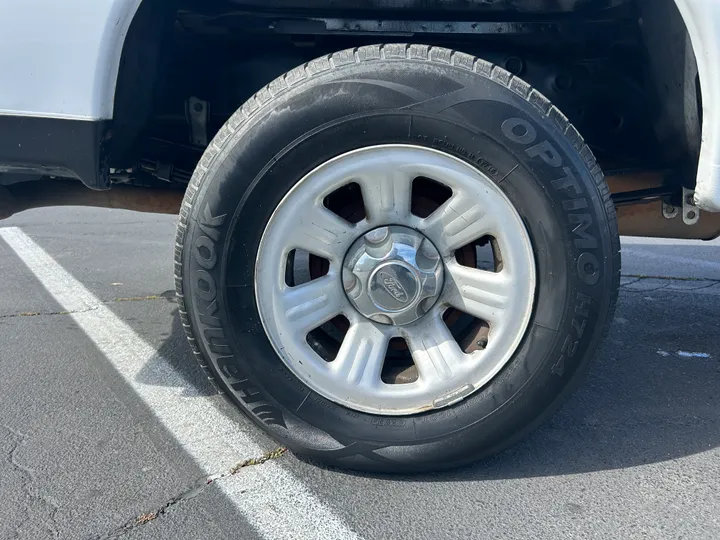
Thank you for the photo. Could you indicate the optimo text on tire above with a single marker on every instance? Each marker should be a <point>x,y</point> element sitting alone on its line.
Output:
<point>397,258</point>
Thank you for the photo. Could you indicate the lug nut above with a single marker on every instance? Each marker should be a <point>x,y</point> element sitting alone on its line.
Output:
<point>380,318</point>
<point>427,249</point>
<point>349,280</point>
<point>426,304</point>
<point>377,236</point>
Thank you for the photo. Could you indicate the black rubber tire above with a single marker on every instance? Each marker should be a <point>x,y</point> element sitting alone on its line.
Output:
<point>420,95</point>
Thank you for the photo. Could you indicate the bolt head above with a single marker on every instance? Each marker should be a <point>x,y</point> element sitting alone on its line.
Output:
<point>426,304</point>
<point>428,250</point>
<point>380,318</point>
<point>377,236</point>
<point>349,280</point>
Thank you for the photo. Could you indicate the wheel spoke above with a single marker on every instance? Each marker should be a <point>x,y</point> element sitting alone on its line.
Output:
<point>480,293</point>
<point>361,356</point>
<point>308,306</point>
<point>320,231</point>
<point>435,352</point>
<point>459,221</point>
<point>386,194</point>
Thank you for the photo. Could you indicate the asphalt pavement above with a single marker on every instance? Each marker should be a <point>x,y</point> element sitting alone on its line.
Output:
<point>108,430</point>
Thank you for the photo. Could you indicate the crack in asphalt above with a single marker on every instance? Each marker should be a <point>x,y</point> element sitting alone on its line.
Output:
<point>668,278</point>
<point>106,302</point>
<point>29,475</point>
<point>666,283</point>
<point>197,488</point>
<point>44,313</point>
<point>141,298</point>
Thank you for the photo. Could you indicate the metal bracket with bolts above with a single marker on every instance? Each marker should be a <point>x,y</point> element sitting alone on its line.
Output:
<point>690,212</point>
<point>669,210</point>
<point>197,114</point>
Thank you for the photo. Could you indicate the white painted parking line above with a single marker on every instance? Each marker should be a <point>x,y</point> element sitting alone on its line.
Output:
<point>687,354</point>
<point>269,497</point>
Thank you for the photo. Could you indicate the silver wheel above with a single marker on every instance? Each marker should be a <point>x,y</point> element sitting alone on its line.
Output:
<point>374,327</point>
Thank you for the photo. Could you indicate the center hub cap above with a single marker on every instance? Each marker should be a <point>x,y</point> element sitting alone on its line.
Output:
<point>393,275</point>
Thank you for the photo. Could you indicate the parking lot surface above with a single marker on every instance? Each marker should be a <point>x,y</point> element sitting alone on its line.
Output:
<point>108,430</point>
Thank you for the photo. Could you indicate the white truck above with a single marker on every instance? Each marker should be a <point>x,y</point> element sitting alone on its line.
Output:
<point>398,239</point>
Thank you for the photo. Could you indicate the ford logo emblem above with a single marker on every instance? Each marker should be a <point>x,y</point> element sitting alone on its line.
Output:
<point>393,287</point>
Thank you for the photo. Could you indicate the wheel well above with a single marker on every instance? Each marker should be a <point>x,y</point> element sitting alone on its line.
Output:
<point>143,63</point>
<point>622,71</point>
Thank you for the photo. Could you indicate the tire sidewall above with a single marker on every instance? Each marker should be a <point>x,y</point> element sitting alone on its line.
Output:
<point>539,170</point>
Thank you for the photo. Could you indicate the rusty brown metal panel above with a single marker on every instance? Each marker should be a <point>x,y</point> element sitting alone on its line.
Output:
<point>18,197</point>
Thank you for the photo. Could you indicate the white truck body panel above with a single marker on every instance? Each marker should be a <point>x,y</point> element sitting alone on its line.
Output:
<point>60,59</point>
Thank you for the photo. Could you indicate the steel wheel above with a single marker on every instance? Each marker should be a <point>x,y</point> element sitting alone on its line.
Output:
<point>393,275</point>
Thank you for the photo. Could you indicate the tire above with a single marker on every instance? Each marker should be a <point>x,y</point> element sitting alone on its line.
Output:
<point>425,98</point>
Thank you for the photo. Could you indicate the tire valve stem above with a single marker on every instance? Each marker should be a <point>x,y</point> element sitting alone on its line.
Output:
<point>482,343</point>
